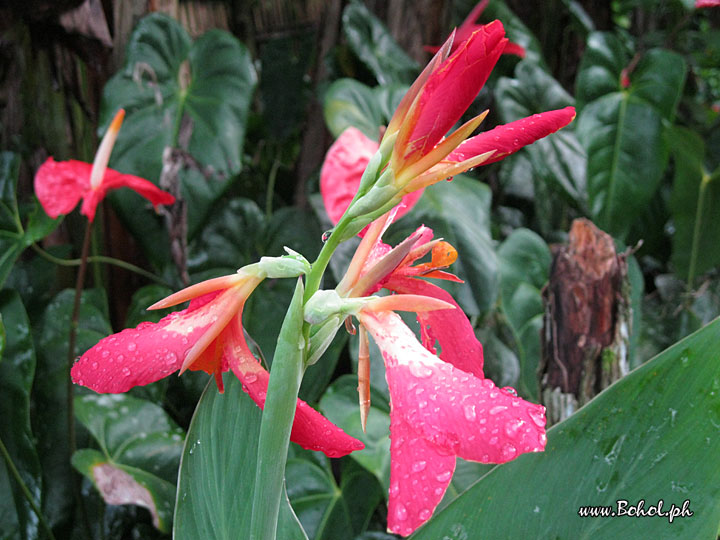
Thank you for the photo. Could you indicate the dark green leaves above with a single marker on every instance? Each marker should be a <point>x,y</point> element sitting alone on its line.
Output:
<point>17,369</point>
<point>376,48</point>
<point>647,437</point>
<point>217,473</point>
<point>139,453</point>
<point>621,127</point>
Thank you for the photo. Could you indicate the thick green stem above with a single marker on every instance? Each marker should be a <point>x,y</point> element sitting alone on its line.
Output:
<point>25,491</point>
<point>277,420</point>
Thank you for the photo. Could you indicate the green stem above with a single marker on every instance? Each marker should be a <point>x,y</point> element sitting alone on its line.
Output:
<point>323,259</point>
<point>25,491</point>
<point>73,335</point>
<point>272,177</point>
<point>697,230</point>
<point>277,420</point>
<point>101,259</point>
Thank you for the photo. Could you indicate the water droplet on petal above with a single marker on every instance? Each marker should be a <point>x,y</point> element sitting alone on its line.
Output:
<point>394,489</point>
<point>94,365</point>
<point>420,370</point>
<point>131,346</point>
<point>537,416</point>
<point>326,235</point>
<point>401,512</point>
<point>509,451</point>
<point>498,409</point>
<point>419,466</point>
<point>250,378</point>
<point>126,371</point>
<point>105,354</point>
<point>513,427</point>
<point>444,476</point>
<point>424,514</point>
<point>510,390</point>
<point>470,413</point>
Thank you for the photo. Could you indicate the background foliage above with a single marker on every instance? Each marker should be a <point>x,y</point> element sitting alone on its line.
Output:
<point>250,97</point>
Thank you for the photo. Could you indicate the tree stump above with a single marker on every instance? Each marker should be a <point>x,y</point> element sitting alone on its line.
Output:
<point>587,321</point>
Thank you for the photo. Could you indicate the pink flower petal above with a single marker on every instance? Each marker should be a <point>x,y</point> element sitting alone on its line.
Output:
<point>59,185</point>
<point>706,3</point>
<point>139,356</point>
<point>114,180</point>
<point>450,328</point>
<point>420,472</point>
<point>509,138</point>
<point>311,430</point>
<point>460,413</point>
<point>342,170</point>
<point>449,92</point>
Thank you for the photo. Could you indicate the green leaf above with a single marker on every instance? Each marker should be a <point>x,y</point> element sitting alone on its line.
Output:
<point>143,298</point>
<point>323,507</point>
<point>659,79</point>
<point>9,169</point>
<point>372,43</point>
<point>647,437</point>
<point>459,212</point>
<point>217,472</point>
<point>350,103</point>
<point>50,390</point>
<point>695,205</point>
<point>516,31</point>
<point>193,96</point>
<point>626,158</point>
<point>17,371</point>
<point>140,452</point>
<point>600,68</point>
<point>558,159</point>
<point>340,405</point>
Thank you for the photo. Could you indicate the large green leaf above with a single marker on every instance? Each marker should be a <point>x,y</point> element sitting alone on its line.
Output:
<point>557,160</point>
<point>217,471</point>
<point>651,436</point>
<point>515,29</point>
<point>626,158</point>
<point>194,96</point>
<point>524,268</point>
<point>351,103</point>
<point>621,127</point>
<point>371,41</point>
<point>340,405</point>
<point>459,212</point>
<point>17,370</point>
<point>695,205</point>
<point>140,449</point>
<point>324,508</point>
<point>50,390</point>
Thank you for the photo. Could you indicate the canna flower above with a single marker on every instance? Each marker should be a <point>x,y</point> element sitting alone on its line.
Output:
<point>343,168</point>
<point>441,406</point>
<point>706,3</point>
<point>421,150</point>
<point>469,25</point>
<point>208,335</point>
<point>59,185</point>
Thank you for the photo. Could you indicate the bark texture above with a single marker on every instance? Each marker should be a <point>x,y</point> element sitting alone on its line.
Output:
<point>587,321</point>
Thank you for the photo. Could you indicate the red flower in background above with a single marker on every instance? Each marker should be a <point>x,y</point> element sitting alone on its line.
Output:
<point>207,336</point>
<point>59,185</point>
<point>706,3</point>
<point>469,25</point>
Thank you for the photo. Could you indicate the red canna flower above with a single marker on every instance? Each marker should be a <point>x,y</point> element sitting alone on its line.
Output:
<point>342,170</point>
<point>59,185</point>
<point>469,25</point>
<point>441,407</point>
<point>207,336</point>
<point>706,3</point>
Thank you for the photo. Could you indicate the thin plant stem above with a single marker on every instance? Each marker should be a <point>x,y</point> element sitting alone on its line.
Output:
<point>697,230</point>
<point>104,260</point>
<point>25,491</point>
<point>272,177</point>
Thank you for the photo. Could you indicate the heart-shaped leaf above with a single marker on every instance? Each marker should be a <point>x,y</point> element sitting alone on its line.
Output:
<point>140,449</point>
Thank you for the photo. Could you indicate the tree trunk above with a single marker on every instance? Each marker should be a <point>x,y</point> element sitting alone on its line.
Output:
<point>587,321</point>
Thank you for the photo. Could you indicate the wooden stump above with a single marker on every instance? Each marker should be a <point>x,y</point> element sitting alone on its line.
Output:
<point>587,321</point>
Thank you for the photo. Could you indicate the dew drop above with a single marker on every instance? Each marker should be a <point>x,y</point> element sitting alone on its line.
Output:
<point>326,235</point>
<point>394,489</point>
<point>537,416</point>
<point>470,413</point>
<point>444,476</point>
<point>422,404</point>
<point>401,512</point>
<point>497,409</point>
<point>131,346</point>
<point>510,390</point>
<point>105,354</point>
<point>509,452</point>
<point>126,371</point>
<point>513,427</point>
<point>250,378</point>
<point>419,466</point>
<point>424,514</point>
<point>420,370</point>
<point>94,365</point>
<point>170,358</point>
